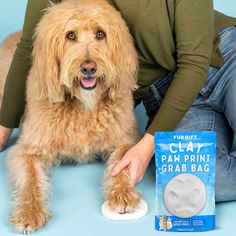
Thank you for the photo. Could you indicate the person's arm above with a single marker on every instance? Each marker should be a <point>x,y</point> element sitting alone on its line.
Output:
<point>194,33</point>
<point>194,25</point>
<point>13,102</point>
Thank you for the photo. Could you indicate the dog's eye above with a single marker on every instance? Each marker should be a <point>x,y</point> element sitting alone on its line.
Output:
<point>100,34</point>
<point>71,36</point>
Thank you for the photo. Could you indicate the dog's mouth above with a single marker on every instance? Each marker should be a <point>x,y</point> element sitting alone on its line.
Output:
<point>88,82</point>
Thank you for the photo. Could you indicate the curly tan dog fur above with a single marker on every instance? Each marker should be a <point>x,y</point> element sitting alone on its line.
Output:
<point>79,103</point>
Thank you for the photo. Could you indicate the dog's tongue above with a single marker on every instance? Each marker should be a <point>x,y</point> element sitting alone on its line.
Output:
<point>88,82</point>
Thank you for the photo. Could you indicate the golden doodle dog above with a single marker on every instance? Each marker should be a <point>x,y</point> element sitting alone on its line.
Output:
<point>79,104</point>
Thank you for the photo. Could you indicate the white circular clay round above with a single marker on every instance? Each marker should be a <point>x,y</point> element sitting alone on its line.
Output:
<point>113,215</point>
<point>185,195</point>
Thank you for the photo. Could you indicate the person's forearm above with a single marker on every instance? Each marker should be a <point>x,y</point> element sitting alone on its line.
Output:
<point>13,101</point>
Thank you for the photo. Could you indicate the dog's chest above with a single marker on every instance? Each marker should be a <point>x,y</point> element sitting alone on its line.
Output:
<point>84,132</point>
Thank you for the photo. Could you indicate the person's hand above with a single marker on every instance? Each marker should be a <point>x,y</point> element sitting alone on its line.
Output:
<point>136,159</point>
<point>5,134</point>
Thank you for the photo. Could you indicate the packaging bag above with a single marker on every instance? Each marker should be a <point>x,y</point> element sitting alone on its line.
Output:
<point>185,179</point>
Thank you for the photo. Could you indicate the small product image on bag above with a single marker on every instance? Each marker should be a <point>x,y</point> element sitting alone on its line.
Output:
<point>185,181</point>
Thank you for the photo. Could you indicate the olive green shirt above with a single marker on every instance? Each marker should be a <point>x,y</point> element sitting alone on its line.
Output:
<point>177,36</point>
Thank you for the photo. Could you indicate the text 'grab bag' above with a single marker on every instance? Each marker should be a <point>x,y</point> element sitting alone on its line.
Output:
<point>185,179</point>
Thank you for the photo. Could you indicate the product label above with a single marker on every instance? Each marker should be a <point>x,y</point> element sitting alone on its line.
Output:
<point>185,179</point>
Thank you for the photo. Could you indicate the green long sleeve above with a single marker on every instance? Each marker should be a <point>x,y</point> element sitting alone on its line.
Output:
<point>178,36</point>
<point>193,57</point>
<point>13,102</point>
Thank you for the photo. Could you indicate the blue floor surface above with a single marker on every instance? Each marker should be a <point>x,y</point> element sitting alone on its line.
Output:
<point>77,195</point>
<point>77,198</point>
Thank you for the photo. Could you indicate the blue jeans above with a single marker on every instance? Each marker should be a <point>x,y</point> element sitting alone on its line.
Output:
<point>214,109</point>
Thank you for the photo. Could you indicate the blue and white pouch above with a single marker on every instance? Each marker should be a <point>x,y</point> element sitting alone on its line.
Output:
<point>185,180</point>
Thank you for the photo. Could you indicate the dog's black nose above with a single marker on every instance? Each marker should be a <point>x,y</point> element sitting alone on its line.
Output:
<point>88,68</point>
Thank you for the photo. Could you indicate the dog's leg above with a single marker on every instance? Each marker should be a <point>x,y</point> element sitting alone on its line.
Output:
<point>121,195</point>
<point>28,171</point>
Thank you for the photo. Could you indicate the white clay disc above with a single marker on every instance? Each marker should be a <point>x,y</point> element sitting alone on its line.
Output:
<point>185,195</point>
<point>113,215</point>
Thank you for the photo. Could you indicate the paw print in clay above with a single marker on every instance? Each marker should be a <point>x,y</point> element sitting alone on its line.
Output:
<point>185,195</point>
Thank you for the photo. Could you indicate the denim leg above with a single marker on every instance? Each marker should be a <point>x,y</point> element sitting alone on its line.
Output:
<point>213,110</point>
<point>220,88</point>
<point>225,98</point>
<point>225,188</point>
<point>201,117</point>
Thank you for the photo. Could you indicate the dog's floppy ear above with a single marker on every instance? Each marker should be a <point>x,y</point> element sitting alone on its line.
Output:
<point>123,55</point>
<point>48,46</point>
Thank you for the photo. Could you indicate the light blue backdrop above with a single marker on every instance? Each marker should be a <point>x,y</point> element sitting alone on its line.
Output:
<point>77,194</point>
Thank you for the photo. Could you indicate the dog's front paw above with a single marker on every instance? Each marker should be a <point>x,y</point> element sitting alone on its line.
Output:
<point>28,219</point>
<point>123,198</point>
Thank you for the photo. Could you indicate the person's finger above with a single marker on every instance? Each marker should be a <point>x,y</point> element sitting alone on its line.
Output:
<point>120,166</point>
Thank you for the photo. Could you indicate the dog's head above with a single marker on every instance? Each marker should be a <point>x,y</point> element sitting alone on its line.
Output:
<point>83,48</point>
